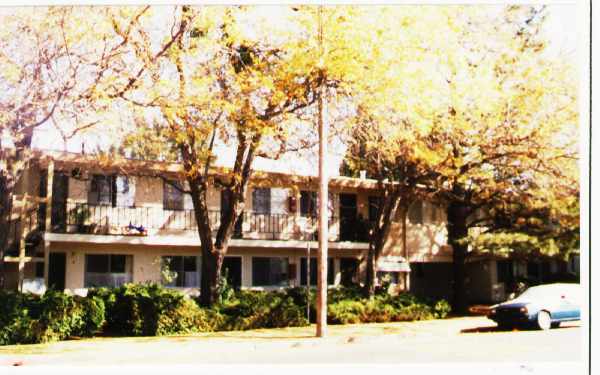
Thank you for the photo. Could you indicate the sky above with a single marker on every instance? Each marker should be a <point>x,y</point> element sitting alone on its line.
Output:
<point>560,29</point>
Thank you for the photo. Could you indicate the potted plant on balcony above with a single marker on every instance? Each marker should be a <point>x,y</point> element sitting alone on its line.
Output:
<point>80,215</point>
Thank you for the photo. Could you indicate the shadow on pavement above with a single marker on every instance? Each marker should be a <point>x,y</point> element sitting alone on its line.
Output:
<point>485,329</point>
<point>245,337</point>
<point>488,329</point>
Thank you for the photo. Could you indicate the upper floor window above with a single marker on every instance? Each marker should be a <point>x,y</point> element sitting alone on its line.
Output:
<point>112,190</point>
<point>261,200</point>
<point>125,191</point>
<point>103,190</point>
<point>172,196</point>
<point>308,203</point>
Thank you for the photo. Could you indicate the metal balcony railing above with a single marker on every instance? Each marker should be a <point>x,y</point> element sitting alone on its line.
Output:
<point>85,218</point>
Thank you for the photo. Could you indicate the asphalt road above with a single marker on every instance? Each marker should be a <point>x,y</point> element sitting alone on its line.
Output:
<point>460,340</point>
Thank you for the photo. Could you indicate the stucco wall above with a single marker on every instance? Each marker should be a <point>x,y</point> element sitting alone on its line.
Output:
<point>425,241</point>
<point>146,260</point>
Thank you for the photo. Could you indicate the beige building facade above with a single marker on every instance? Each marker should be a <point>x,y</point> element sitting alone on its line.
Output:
<point>124,221</point>
<point>78,223</point>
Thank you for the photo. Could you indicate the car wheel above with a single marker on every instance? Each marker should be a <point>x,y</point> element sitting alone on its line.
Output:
<point>555,325</point>
<point>544,321</point>
<point>503,326</point>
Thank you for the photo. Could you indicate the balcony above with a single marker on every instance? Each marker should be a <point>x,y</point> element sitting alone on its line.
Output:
<point>84,218</point>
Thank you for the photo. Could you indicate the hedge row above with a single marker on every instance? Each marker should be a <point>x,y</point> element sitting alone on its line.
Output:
<point>152,310</point>
<point>27,318</point>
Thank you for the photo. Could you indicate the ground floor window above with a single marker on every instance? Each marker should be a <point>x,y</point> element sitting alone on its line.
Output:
<point>313,271</point>
<point>181,271</point>
<point>109,270</point>
<point>270,271</point>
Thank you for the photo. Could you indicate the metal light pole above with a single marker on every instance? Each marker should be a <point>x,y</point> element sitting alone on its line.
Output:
<point>323,201</point>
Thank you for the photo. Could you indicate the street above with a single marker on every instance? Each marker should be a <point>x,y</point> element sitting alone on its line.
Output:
<point>458,340</point>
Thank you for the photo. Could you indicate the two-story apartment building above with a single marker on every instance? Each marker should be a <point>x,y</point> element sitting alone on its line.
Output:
<point>78,223</point>
<point>126,221</point>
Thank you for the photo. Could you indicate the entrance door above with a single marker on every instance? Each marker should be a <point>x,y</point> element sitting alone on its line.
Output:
<point>56,271</point>
<point>348,217</point>
<point>233,267</point>
<point>348,270</point>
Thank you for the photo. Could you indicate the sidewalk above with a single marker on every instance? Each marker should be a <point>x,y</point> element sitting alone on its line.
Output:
<point>455,340</point>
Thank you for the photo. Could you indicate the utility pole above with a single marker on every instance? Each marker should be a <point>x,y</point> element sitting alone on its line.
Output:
<point>323,200</point>
<point>308,280</point>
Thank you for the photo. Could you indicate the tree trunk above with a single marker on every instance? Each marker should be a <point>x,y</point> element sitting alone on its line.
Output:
<point>370,279</point>
<point>5,211</point>
<point>6,195</point>
<point>379,233</point>
<point>404,215</point>
<point>210,260</point>
<point>457,230</point>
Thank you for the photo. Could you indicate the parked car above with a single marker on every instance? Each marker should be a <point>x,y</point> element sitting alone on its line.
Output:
<point>544,306</point>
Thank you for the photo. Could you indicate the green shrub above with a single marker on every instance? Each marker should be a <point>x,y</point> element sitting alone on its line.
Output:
<point>27,318</point>
<point>417,311</point>
<point>16,326</point>
<point>441,309</point>
<point>59,316</point>
<point>378,310</point>
<point>345,312</point>
<point>149,310</point>
<point>341,293</point>
<point>259,309</point>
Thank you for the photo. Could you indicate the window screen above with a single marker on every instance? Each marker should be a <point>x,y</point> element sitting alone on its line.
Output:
<point>108,270</point>
<point>102,190</point>
<point>181,271</point>
<point>269,271</point>
<point>172,196</point>
<point>261,200</point>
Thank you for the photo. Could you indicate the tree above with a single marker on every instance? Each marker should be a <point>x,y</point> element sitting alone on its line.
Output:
<point>500,141</point>
<point>227,76</point>
<point>51,60</point>
<point>390,137</point>
<point>231,87</point>
<point>486,123</point>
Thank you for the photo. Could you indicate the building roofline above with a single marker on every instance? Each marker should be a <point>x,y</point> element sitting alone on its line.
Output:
<point>123,165</point>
